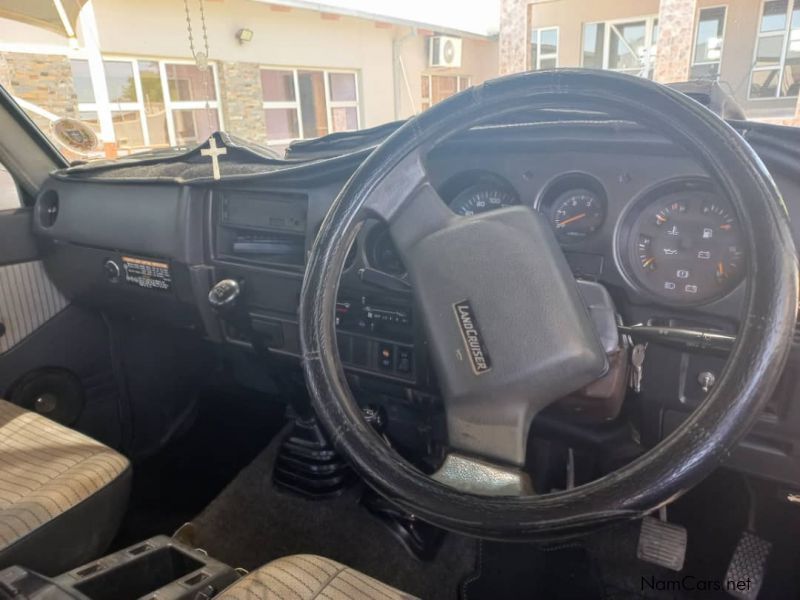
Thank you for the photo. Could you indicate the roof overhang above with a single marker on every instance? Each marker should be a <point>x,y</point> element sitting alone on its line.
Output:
<point>378,18</point>
<point>58,16</point>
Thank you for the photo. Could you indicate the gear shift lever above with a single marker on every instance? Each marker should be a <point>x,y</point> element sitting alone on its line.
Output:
<point>225,295</point>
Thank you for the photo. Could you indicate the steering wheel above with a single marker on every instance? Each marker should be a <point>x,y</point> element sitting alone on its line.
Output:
<point>507,331</point>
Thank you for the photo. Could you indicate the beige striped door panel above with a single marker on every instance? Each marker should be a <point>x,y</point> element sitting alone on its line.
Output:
<point>28,299</point>
<point>309,577</point>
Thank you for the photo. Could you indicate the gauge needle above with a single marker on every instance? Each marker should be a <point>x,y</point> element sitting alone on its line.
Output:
<point>721,269</point>
<point>572,219</point>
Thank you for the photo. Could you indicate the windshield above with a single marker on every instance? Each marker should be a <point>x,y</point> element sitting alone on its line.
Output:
<point>108,78</point>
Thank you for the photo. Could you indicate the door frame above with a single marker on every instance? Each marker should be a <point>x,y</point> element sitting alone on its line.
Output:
<point>24,150</point>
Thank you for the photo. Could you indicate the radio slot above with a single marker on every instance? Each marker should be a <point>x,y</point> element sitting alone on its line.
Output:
<point>262,227</point>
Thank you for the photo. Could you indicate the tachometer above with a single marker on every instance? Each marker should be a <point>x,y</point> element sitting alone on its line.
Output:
<point>686,247</point>
<point>381,253</point>
<point>483,197</point>
<point>577,214</point>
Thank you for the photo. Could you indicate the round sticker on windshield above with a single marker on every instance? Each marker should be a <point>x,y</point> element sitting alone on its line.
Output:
<point>74,134</point>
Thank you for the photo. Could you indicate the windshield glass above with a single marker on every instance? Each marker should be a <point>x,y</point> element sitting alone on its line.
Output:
<point>109,78</point>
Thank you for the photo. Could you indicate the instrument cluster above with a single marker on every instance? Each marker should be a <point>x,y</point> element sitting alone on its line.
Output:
<point>677,243</point>
<point>681,241</point>
<point>575,204</point>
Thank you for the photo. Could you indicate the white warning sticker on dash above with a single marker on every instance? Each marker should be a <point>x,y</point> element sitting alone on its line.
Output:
<point>146,273</point>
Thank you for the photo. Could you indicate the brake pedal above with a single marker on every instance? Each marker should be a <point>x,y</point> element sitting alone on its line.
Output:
<point>745,573</point>
<point>662,543</point>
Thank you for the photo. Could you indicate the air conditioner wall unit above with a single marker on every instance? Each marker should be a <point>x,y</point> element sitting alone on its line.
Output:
<point>444,51</point>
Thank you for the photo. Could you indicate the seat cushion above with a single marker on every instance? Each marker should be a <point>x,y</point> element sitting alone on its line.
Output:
<point>306,577</point>
<point>62,494</point>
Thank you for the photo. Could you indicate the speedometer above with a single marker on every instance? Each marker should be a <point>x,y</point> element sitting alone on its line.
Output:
<point>482,197</point>
<point>686,247</point>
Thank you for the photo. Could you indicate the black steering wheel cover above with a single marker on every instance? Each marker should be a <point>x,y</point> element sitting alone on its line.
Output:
<point>681,460</point>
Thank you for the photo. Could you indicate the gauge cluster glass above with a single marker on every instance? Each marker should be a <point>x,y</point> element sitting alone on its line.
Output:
<point>683,245</point>
<point>483,197</point>
<point>678,243</point>
<point>576,205</point>
<point>576,214</point>
<point>382,254</point>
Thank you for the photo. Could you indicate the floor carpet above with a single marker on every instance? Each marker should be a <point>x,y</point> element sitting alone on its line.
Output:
<point>227,430</point>
<point>252,523</point>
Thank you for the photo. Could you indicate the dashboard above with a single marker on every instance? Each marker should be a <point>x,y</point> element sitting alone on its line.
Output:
<point>630,210</point>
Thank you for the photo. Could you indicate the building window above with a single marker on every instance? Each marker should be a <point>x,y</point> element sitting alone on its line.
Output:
<point>304,103</point>
<point>152,103</point>
<point>544,48</point>
<point>189,94</point>
<point>343,101</point>
<point>708,43</point>
<point>281,109</point>
<point>628,46</point>
<point>82,80</point>
<point>776,65</point>
<point>435,88</point>
<point>126,109</point>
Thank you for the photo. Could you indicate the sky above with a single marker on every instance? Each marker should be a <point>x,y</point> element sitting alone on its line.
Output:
<point>478,16</point>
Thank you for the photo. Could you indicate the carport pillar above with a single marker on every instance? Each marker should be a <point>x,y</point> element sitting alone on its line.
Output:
<point>675,40</point>
<point>513,46</point>
<point>98,74</point>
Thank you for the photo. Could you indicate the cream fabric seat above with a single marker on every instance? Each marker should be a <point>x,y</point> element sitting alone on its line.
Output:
<point>62,494</point>
<point>308,577</point>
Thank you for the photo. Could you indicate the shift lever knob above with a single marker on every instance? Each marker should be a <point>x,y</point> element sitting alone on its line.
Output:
<point>225,294</point>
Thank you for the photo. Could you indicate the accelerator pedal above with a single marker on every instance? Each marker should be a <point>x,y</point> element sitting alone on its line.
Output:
<point>662,543</point>
<point>745,573</point>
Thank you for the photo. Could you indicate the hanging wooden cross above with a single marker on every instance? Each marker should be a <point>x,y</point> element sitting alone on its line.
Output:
<point>214,152</point>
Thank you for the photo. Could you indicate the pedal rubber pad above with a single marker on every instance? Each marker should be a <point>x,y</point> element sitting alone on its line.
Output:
<point>662,543</point>
<point>746,570</point>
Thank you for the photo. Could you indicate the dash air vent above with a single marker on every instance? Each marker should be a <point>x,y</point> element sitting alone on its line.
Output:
<point>47,208</point>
